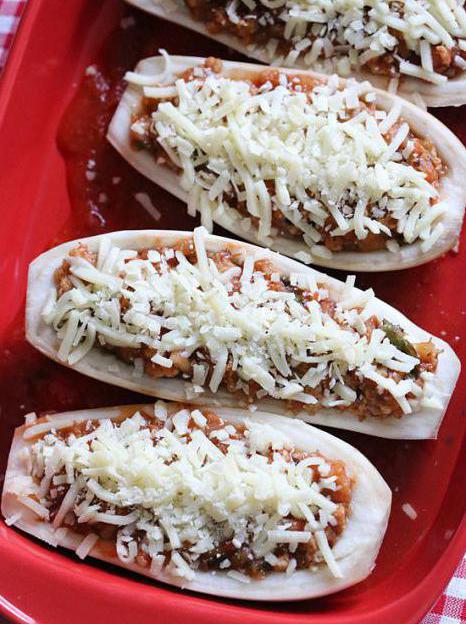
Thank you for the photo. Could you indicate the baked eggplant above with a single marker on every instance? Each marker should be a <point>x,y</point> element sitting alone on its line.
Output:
<point>224,502</point>
<point>416,48</point>
<point>194,317</point>
<point>326,171</point>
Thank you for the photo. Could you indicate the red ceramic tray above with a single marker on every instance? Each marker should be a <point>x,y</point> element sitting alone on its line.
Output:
<point>46,198</point>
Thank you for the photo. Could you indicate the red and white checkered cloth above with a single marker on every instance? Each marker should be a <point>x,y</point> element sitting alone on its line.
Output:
<point>10,12</point>
<point>451,607</point>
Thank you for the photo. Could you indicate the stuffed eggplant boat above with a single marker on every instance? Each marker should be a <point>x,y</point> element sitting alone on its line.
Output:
<point>189,316</point>
<point>416,47</point>
<point>221,502</point>
<point>321,170</point>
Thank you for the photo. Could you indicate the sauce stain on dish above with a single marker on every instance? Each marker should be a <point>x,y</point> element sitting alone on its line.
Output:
<point>103,189</point>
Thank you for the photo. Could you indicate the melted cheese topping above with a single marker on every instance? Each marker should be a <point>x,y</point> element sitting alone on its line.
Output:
<point>317,158</point>
<point>265,334</point>
<point>173,491</point>
<point>338,35</point>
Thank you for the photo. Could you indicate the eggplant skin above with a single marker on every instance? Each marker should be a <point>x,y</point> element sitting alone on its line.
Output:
<point>421,424</point>
<point>356,549</point>
<point>452,189</point>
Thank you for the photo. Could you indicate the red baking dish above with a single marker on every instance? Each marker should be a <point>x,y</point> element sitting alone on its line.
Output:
<point>48,196</point>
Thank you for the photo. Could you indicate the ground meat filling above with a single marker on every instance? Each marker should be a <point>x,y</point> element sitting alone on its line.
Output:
<point>422,156</point>
<point>371,400</point>
<point>260,25</point>
<point>227,555</point>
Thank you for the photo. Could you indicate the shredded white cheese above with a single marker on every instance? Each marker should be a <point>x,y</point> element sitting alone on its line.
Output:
<point>11,520</point>
<point>328,172</point>
<point>146,203</point>
<point>265,336</point>
<point>87,545</point>
<point>174,487</point>
<point>342,35</point>
<point>409,511</point>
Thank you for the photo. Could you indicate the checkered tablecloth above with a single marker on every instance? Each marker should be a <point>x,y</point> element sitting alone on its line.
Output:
<point>451,607</point>
<point>10,12</point>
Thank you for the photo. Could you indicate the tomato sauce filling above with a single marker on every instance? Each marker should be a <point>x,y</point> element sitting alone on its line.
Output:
<point>227,555</point>
<point>423,157</point>
<point>371,400</point>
